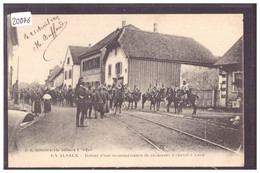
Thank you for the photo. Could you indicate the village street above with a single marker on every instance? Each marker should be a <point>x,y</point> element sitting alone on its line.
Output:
<point>58,130</point>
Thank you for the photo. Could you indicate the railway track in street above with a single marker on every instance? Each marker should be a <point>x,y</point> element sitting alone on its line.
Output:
<point>158,124</point>
<point>194,119</point>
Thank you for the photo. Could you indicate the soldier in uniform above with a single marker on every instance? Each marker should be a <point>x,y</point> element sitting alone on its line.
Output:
<point>185,87</point>
<point>175,88</point>
<point>135,89</point>
<point>102,101</point>
<point>99,102</point>
<point>96,99</point>
<point>89,101</point>
<point>80,95</point>
<point>107,96</point>
<point>149,90</point>
<point>15,92</point>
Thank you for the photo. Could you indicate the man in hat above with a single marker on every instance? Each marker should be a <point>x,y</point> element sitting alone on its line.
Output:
<point>185,87</point>
<point>80,95</point>
<point>89,101</point>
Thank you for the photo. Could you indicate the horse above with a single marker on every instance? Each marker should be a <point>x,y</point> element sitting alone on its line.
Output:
<point>118,98</point>
<point>171,97</point>
<point>191,98</point>
<point>160,96</point>
<point>150,97</point>
<point>132,97</point>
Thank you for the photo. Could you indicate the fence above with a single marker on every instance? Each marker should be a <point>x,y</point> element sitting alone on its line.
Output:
<point>206,98</point>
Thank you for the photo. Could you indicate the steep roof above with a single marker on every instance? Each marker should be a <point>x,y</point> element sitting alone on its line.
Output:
<point>102,43</point>
<point>55,72</point>
<point>75,52</point>
<point>153,45</point>
<point>233,55</point>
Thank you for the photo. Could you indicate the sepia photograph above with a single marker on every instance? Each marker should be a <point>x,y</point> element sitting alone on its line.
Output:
<point>124,90</point>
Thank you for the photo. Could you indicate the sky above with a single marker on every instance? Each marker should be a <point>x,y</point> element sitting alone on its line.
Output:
<point>216,32</point>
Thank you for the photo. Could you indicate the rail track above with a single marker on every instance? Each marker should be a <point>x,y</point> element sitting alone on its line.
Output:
<point>193,118</point>
<point>173,129</point>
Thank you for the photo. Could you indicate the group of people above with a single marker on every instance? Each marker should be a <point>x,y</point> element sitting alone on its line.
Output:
<point>87,97</point>
<point>101,99</point>
<point>153,90</point>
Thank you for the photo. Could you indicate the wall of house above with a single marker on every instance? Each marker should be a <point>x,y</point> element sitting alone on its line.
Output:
<point>112,60</point>
<point>75,75</point>
<point>91,75</point>
<point>58,81</point>
<point>232,94</point>
<point>228,97</point>
<point>145,72</point>
<point>67,67</point>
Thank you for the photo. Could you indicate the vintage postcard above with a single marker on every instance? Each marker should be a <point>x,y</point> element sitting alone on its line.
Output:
<point>124,90</point>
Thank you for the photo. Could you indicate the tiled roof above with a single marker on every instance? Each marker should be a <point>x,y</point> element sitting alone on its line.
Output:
<point>76,51</point>
<point>102,43</point>
<point>233,55</point>
<point>153,45</point>
<point>55,72</point>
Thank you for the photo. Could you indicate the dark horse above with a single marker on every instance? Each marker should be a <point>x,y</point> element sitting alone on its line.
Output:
<point>150,97</point>
<point>171,97</point>
<point>155,98</point>
<point>118,98</point>
<point>132,97</point>
<point>191,98</point>
<point>159,97</point>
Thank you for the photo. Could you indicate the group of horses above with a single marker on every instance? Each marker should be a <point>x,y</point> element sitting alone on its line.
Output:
<point>179,98</point>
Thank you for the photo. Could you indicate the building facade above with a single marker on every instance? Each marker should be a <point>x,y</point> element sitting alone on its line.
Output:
<point>71,66</point>
<point>231,78</point>
<point>55,78</point>
<point>141,58</point>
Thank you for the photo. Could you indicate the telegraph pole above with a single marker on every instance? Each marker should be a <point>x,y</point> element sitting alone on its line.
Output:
<point>18,90</point>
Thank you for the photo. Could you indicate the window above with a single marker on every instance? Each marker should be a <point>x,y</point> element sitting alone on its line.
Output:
<point>115,51</point>
<point>119,68</point>
<point>109,70</point>
<point>85,65</point>
<point>68,60</point>
<point>98,62</point>
<point>65,75</point>
<point>70,74</point>
<point>91,64</point>
<point>237,81</point>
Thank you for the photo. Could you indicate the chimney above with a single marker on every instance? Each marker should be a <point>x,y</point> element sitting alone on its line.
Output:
<point>89,45</point>
<point>155,28</point>
<point>50,71</point>
<point>123,23</point>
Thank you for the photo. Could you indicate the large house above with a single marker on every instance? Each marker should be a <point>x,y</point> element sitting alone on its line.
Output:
<point>55,78</point>
<point>71,65</point>
<point>137,57</point>
<point>92,60</point>
<point>231,76</point>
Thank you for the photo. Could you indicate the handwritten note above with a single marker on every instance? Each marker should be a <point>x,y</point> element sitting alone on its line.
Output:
<point>45,33</point>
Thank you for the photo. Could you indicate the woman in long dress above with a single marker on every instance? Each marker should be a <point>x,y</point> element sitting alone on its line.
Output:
<point>47,102</point>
